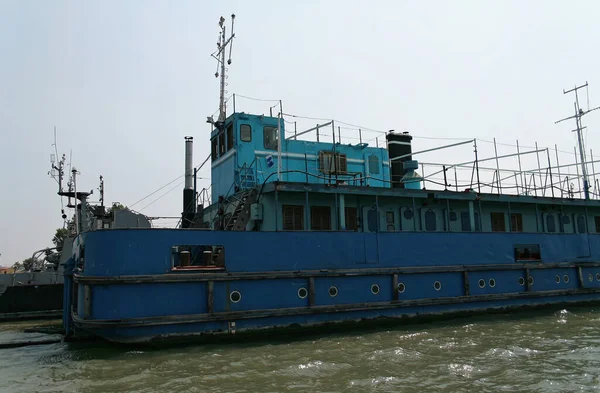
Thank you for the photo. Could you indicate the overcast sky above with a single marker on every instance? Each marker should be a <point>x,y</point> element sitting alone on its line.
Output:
<point>125,81</point>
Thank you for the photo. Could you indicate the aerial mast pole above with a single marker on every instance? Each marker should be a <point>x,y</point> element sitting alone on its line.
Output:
<point>219,55</point>
<point>577,116</point>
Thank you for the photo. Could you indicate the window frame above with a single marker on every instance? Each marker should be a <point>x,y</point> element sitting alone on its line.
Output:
<point>324,221</point>
<point>329,157</point>
<point>516,222</point>
<point>275,143</point>
<point>242,126</point>
<point>493,222</point>
<point>286,210</point>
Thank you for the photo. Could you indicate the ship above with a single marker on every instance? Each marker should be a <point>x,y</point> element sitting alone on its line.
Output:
<point>36,291</point>
<point>300,233</point>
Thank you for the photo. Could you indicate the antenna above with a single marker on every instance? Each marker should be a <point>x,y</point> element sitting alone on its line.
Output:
<point>101,189</point>
<point>577,116</point>
<point>219,54</point>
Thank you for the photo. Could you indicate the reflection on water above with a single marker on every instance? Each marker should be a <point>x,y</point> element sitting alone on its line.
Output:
<point>543,352</point>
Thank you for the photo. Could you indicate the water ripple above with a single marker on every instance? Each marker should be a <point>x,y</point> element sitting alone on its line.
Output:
<point>551,352</point>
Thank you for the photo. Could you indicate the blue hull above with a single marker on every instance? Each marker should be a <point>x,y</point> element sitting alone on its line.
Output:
<point>129,291</point>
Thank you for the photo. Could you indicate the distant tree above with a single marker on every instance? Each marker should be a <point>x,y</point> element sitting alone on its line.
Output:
<point>27,263</point>
<point>115,207</point>
<point>59,237</point>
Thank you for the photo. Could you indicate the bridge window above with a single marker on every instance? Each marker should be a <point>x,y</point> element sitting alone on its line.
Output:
<point>320,218</point>
<point>390,218</point>
<point>246,133</point>
<point>215,148</point>
<point>516,222</point>
<point>580,224</point>
<point>430,221</point>
<point>550,223</point>
<point>351,218</point>
<point>498,223</point>
<point>597,223</point>
<point>374,165</point>
<point>327,164</point>
<point>221,144</point>
<point>372,220</point>
<point>270,137</point>
<point>465,221</point>
<point>293,217</point>
<point>230,136</point>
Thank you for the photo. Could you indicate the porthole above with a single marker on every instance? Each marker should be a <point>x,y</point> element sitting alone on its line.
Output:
<point>374,289</point>
<point>566,278</point>
<point>530,280</point>
<point>481,283</point>
<point>401,287</point>
<point>590,277</point>
<point>597,276</point>
<point>333,291</point>
<point>302,293</point>
<point>437,285</point>
<point>492,283</point>
<point>235,296</point>
<point>521,281</point>
<point>557,278</point>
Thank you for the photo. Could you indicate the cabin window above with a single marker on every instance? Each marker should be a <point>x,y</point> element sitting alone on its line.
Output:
<point>246,133</point>
<point>374,165</point>
<point>580,224</point>
<point>221,144</point>
<point>215,148</point>
<point>270,137</point>
<point>293,217</point>
<point>527,252</point>
<point>477,222</point>
<point>498,224</point>
<point>550,223</point>
<point>597,223</point>
<point>372,221</point>
<point>351,218</point>
<point>320,218</point>
<point>389,219</point>
<point>230,136</point>
<point>329,166</point>
<point>516,222</point>
<point>430,221</point>
<point>465,221</point>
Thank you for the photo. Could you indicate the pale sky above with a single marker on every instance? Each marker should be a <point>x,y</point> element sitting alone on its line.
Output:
<point>125,81</point>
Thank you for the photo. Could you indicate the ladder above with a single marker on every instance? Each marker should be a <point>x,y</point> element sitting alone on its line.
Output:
<point>241,214</point>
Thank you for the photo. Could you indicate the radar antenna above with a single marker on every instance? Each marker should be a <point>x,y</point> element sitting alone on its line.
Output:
<point>579,113</point>
<point>219,54</point>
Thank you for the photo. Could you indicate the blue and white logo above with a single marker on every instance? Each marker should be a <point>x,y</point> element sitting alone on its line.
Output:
<point>269,160</point>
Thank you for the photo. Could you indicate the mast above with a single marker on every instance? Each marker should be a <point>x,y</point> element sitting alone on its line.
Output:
<point>219,55</point>
<point>577,116</point>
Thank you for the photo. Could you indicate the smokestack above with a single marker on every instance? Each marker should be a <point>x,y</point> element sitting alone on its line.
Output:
<point>189,204</point>
<point>189,163</point>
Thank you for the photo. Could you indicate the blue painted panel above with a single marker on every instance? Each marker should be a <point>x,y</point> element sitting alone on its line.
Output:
<point>352,290</point>
<point>502,281</point>
<point>307,320</point>
<point>591,277</point>
<point>546,279</point>
<point>127,301</point>
<point>419,286</point>
<point>139,251</point>
<point>259,295</point>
